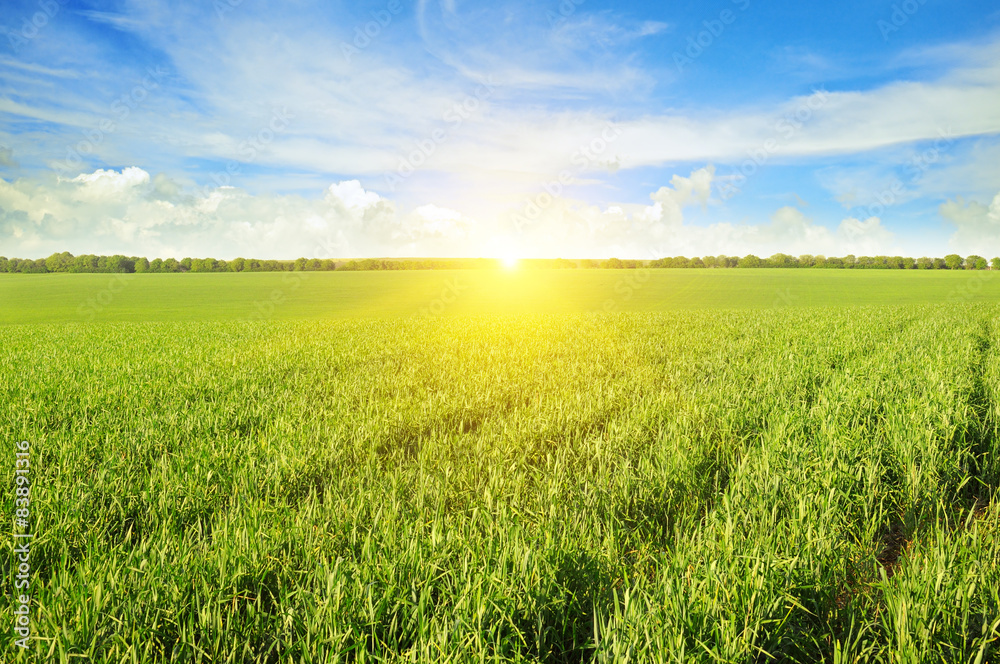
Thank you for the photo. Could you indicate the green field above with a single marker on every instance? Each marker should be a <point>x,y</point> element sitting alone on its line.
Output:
<point>732,466</point>
<point>47,298</point>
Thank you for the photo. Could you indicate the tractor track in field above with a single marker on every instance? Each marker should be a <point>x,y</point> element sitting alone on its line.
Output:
<point>896,537</point>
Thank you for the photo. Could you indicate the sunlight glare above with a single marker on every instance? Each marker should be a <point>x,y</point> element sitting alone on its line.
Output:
<point>509,262</point>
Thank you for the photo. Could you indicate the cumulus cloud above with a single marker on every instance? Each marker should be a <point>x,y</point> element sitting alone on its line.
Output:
<point>652,231</point>
<point>438,222</point>
<point>977,226</point>
<point>7,157</point>
<point>669,201</point>
<point>130,212</point>
<point>351,195</point>
<point>864,238</point>
<point>109,185</point>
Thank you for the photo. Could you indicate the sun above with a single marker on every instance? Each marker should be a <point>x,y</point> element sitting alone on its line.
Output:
<point>509,262</point>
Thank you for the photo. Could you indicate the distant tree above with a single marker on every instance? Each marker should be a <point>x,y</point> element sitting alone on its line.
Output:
<point>953,261</point>
<point>185,265</point>
<point>750,261</point>
<point>119,263</point>
<point>835,263</point>
<point>994,263</point>
<point>171,265</point>
<point>899,263</point>
<point>612,264</point>
<point>3,264</point>
<point>975,263</point>
<point>30,266</point>
<point>300,264</point>
<point>141,264</point>
<point>237,264</point>
<point>156,265</point>
<point>697,262</point>
<point>84,263</point>
<point>939,264</point>
<point>924,263</point>
<point>781,260</point>
<point>807,260</point>
<point>818,261</point>
<point>59,262</point>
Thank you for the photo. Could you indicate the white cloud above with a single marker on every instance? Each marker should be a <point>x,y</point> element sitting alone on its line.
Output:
<point>669,202</point>
<point>864,238</point>
<point>574,229</point>
<point>7,157</point>
<point>117,21</point>
<point>977,227</point>
<point>128,212</point>
<point>351,195</point>
<point>439,222</point>
<point>226,76</point>
<point>110,185</point>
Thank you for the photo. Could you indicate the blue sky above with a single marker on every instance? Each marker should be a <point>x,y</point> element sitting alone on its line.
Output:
<point>398,128</point>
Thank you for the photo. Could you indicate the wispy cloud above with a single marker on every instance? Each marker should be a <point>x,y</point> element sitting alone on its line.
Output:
<point>560,74</point>
<point>117,21</point>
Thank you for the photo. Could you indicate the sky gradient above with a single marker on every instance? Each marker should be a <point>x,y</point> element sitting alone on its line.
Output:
<point>574,128</point>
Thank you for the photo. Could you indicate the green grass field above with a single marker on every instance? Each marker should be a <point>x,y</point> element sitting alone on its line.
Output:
<point>731,466</point>
<point>49,298</point>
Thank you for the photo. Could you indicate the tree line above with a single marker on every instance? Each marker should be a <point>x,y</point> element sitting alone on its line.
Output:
<point>949,262</point>
<point>90,263</point>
